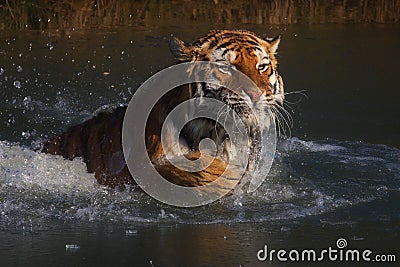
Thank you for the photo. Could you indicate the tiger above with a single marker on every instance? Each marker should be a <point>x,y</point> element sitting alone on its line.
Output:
<point>99,140</point>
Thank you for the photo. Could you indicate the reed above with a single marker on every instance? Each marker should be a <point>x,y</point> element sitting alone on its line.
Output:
<point>65,14</point>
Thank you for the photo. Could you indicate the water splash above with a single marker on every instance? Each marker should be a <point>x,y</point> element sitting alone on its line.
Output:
<point>307,178</point>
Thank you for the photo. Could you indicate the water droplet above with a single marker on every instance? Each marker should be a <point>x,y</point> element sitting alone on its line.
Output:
<point>162,213</point>
<point>1,71</point>
<point>50,46</point>
<point>27,100</point>
<point>17,84</point>
<point>72,247</point>
<point>26,135</point>
<point>19,69</point>
<point>131,232</point>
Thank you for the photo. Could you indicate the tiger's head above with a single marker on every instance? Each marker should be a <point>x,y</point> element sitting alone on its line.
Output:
<point>243,51</point>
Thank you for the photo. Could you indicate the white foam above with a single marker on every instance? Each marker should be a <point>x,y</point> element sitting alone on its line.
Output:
<point>23,168</point>
<point>295,143</point>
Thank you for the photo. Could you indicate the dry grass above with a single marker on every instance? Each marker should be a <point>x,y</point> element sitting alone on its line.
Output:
<point>65,14</point>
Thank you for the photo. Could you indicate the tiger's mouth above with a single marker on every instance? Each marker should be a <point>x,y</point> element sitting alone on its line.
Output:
<point>252,112</point>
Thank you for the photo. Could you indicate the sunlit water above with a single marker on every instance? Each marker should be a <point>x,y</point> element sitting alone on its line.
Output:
<point>338,174</point>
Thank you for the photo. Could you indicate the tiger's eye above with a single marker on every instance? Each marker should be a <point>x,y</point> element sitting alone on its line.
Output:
<point>262,67</point>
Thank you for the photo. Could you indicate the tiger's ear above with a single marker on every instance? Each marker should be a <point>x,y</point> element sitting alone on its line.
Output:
<point>181,50</point>
<point>274,43</point>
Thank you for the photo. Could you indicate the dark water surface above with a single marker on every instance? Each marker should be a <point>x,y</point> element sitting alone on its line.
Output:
<point>336,176</point>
